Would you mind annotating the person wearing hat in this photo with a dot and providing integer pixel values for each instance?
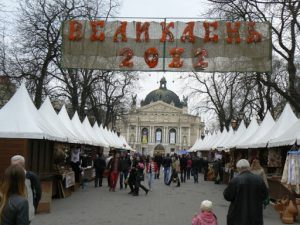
(205, 216)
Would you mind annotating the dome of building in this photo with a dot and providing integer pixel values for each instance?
(162, 94)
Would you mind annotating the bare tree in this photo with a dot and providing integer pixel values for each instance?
(232, 95)
(38, 44)
(284, 16)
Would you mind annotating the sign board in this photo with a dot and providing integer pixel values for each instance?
(215, 46)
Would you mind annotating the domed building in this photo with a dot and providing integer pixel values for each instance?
(162, 123)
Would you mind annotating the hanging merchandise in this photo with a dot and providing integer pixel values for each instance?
(291, 171)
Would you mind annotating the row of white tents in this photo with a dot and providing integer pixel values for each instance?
(283, 132)
(19, 118)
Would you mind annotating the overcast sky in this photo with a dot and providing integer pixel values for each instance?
(162, 9)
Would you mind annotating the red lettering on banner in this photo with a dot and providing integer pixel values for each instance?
(188, 33)
(253, 35)
(121, 30)
(75, 33)
(176, 54)
(94, 25)
(128, 55)
(207, 25)
(151, 57)
(166, 32)
(142, 29)
(233, 33)
(201, 64)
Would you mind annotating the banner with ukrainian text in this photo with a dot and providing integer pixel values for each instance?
(214, 46)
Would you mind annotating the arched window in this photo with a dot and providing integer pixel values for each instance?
(144, 137)
(158, 135)
(172, 136)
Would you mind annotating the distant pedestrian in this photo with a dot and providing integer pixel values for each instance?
(114, 168)
(125, 164)
(246, 192)
(175, 171)
(151, 169)
(188, 167)
(183, 168)
(158, 160)
(205, 167)
(195, 168)
(167, 168)
(206, 215)
(99, 165)
(14, 208)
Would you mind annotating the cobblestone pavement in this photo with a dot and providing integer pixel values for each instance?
(163, 206)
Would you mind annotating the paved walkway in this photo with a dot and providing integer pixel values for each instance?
(163, 206)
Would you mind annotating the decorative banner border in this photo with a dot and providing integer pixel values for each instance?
(217, 46)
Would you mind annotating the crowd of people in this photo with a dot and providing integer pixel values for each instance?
(247, 191)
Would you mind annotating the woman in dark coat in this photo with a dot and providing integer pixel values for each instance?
(14, 209)
(246, 192)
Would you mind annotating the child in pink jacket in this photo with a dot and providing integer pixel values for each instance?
(205, 216)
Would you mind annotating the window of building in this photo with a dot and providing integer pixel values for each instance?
(172, 149)
(158, 135)
(144, 138)
(172, 136)
(131, 138)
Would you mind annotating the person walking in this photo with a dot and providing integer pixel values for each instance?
(14, 208)
(32, 183)
(188, 167)
(175, 170)
(99, 165)
(114, 168)
(151, 170)
(195, 168)
(158, 160)
(206, 215)
(205, 167)
(246, 193)
(125, 164)
(139, 177)
(183, 168)
(167, 167)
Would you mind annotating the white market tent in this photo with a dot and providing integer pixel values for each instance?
(108, 137)
(66, 121)
(198, 142)
(218, 142)
(237, 135)
(208, 145)
(289, 137)
(48, 113)
(80, 131)
(253, 126)
(228, 139)
(267, 124)
(19, 118)
(286, 120)
(125, 144)
(90, 132)
(99, 134)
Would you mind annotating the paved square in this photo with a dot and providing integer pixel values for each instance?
(163, 206)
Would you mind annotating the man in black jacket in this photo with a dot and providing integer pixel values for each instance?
(99, 165)
(246, 192)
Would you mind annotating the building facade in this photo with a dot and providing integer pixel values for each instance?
(161, 125)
